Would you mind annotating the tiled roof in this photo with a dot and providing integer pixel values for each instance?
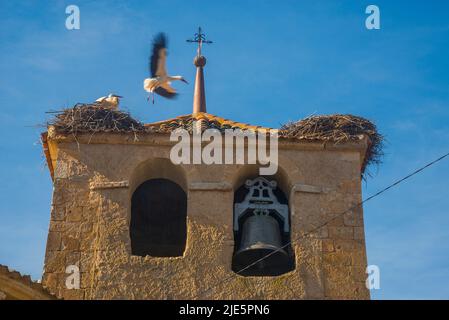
(206, 120)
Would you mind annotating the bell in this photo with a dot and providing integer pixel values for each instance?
(260, 238)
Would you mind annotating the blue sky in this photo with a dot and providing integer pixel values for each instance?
(271, 62)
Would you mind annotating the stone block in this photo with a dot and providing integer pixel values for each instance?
(54, 241)
(57, 212)
(86, 260)
(85, 280)
(353, 218)
(72, 294)
(341, 232)
(51, 281)
(346, 290)
(57, 226)
(328, 245)
(69, 243)
(74, 213)
(359, 233)
(338, 259)
(54, 262)
(335, 220)
(73, 258)
(347, 245)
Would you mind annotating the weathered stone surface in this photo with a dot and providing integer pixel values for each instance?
(341, 232)
(70, 243)
(57, 226)
(54, 241)
(328, 245)
(57, 211)
(359, 233)
(73, 258)
(72, 294)
(54, 262)
(52, 280)
(89, 227)
(74, 213)
(353, 218)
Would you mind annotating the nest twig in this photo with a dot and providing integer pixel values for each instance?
(92, 118)
(338, 128)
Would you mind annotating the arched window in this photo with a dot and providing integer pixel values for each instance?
(158, 219)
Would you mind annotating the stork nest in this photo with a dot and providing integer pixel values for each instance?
(92, 118)
(338, 128)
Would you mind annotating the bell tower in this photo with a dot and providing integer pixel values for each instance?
(130, 223)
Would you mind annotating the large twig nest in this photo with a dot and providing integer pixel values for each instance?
(92, 118)
(338, 128)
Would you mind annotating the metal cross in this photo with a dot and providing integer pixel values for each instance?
(200, 38)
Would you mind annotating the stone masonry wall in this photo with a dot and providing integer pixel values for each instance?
(89, 226)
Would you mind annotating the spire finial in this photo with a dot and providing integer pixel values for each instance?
(199, 38)
(199, 95)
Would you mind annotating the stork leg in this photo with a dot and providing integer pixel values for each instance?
(151, 96)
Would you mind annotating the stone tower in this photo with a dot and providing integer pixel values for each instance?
(138, 226)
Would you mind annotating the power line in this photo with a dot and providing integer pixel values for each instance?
(326, 222)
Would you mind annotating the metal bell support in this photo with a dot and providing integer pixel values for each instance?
(260, 235)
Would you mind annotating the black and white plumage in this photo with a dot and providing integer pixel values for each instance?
(111, 101)
(160, 81)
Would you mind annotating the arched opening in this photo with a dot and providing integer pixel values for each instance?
(261, 229)
(158, 219)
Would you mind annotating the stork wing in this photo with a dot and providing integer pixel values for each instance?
(158, 56)
(166, 91)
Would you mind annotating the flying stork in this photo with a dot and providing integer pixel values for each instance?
(111, 101)
(160, 82)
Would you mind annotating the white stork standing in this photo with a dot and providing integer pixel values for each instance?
(160, 82)
(111, 101)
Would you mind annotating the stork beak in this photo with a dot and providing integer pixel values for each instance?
(119, 97)
(184, 80)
